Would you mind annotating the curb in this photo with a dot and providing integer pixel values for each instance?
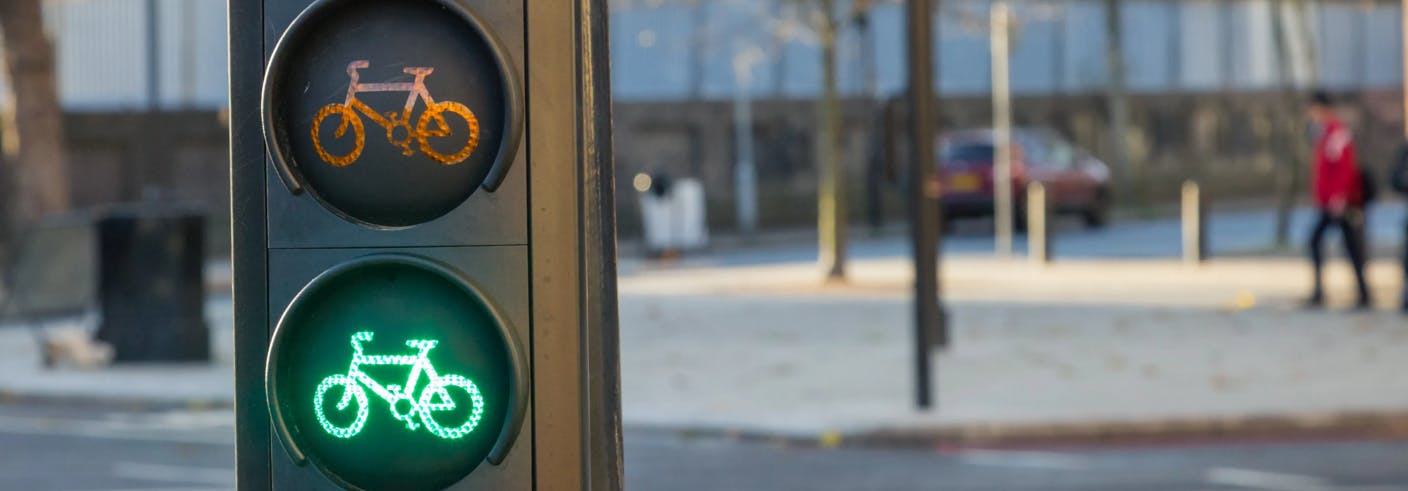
(1376, 425)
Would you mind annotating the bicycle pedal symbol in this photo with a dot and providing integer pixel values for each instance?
(431, 124)
(405, 406)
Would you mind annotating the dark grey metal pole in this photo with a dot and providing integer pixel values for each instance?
(151, 174)
(601, 350)
(153, 55)
(923, 197)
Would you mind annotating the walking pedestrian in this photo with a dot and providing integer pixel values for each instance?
(1338, 188)
(1399, 180)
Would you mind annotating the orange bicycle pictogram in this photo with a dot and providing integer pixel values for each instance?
(431, 124)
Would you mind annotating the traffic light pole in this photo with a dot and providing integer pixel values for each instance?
(249, 245)
(923, 196)
(580, 442)
(605, 465)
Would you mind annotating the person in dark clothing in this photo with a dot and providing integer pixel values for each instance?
(1399, 180)
(1339, 196)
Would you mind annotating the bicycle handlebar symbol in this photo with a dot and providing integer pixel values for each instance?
(432, 123)
(435, 397)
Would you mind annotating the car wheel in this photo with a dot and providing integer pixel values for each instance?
(1097, 215)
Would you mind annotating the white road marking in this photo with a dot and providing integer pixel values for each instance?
(1023, 459)
(174, 473)
(1268, 481)
(105, 430)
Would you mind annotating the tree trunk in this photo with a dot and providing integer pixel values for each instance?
(41, 171)
(831, 196)
(1117, 102)
(1294, 148)
(1283, 136)
(875, 162)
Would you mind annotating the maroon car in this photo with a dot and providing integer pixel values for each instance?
(1076, 182)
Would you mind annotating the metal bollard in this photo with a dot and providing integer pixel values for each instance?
(1038, 216)
(1195, 244)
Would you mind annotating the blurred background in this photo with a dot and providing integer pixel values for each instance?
(1147, 334)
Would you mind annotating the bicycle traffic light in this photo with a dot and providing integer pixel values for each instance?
(423, 245)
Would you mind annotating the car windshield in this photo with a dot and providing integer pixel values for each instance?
(966, 152)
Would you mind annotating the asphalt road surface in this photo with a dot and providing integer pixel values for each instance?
(67, 447)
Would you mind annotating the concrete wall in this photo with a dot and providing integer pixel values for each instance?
(187, 160)
(129, 157)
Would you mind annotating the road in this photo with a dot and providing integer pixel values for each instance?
(88, 447)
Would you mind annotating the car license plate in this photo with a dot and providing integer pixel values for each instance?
(966, 183)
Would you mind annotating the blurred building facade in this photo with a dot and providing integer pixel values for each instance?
(1203, 77)
(686, 49)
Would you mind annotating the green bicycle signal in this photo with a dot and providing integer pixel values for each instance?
(431, 388)
(404, 405)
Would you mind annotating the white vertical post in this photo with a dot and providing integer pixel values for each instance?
(1002, 128)
(1038, 216)
(1194, 237)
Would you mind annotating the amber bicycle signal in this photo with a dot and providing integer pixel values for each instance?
(431, 124)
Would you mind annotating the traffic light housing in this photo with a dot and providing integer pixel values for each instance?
(423, 245)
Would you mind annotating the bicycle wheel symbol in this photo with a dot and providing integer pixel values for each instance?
(351, 391)
(435, 114)
(347, 118)
(435, 399)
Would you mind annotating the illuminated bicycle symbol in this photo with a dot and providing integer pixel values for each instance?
(405, 406)
(432, 123)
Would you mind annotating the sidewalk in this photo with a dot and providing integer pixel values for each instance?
(1079, 349)
(183, 384)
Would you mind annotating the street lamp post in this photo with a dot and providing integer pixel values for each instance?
(745, 173)
(1001, 35)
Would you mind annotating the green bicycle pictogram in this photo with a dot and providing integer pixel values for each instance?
(433, 398)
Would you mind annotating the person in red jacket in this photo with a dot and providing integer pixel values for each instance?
(1339, 195)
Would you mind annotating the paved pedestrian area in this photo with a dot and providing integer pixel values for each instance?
(770, 349)
(184, 384)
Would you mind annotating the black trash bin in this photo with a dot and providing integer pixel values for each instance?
(151, 283)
